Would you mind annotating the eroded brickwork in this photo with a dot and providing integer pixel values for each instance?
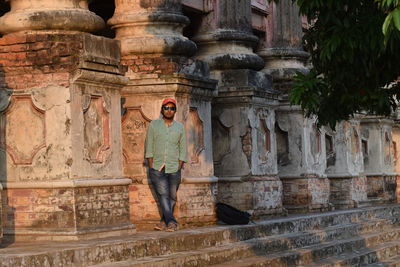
(32, 60)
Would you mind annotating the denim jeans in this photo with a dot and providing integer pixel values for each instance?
(165, 186)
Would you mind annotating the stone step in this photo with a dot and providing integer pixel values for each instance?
(149, 244)
(373, 257)
(392, 262)
(259, 247)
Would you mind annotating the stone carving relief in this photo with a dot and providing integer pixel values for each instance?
(263, 141)
(221, 140)
(195, 132)
(96, 128)
(22, 129)
(134, 127)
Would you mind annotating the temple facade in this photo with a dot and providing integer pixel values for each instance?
(81, 80)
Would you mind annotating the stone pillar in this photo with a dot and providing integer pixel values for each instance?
(300, 150)
(345, 167)
(60, 145)
(379, 157)
(281, 49)
(301, 161)
(243, 112)
(157, 56)
(396, 142)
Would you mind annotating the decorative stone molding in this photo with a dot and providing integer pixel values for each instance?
(151, 27)
(26, 131)
(34, 15)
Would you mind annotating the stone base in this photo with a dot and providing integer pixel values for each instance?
(80, 210)
(348, 192)
(260, 196)
(306, 194)
(195, 204)
(382, 187)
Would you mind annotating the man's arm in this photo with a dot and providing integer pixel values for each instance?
(182, 149)
(150, 145)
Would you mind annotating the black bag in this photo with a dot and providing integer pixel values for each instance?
(231, 215)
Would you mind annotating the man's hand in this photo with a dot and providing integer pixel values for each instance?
(150, 162)
(180, 164)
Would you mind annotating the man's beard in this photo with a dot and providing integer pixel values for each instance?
(170, 117)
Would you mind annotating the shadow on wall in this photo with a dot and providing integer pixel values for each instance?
(7, 212)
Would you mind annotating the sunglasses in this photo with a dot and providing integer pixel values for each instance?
(169, 108)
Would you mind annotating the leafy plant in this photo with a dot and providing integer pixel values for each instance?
(355, 56)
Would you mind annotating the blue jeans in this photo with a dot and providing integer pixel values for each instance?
(165, 186)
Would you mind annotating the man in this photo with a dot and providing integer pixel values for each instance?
(166, 154)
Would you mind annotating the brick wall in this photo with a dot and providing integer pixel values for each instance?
(32, 60)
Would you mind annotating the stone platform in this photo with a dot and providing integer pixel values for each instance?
(367, 236)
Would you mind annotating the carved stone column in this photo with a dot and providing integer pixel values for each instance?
(345, 165)
(379, 159)
(301, 161)
(281, 48)
(60, 127)
(243, 112)
(156, 54)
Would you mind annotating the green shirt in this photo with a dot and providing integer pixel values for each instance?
(166, 145)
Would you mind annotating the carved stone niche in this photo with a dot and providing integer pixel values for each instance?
(263, 141)
(195, 132)
(134, 127)
(388, 149)
(282, 143)
(22, 130)
(96, 128)
(221, 141)
(355, 143)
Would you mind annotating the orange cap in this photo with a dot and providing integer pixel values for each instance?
(169, 100)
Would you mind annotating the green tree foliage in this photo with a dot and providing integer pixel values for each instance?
(355, 56)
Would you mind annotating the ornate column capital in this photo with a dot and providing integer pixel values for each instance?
(65, 15)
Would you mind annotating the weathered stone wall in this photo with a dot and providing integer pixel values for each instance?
(306, 194)
(53, 213)
(262, 197)
(348, 192)
(195, 204)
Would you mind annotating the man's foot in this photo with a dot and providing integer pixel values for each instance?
(172, 226)
(160, 226)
